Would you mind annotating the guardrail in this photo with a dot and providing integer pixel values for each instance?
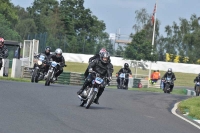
(73, 78)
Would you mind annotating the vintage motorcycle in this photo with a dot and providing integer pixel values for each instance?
(168, 81)
(38, 71)
(49, 77)
(123, 78)
(89, 94)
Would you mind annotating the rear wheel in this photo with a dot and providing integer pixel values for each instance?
(48, 80)
(90, 99)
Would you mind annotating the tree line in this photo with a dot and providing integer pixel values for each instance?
(69, 25)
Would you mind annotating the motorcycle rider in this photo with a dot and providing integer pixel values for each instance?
(3, 52)
(47, 55)
(125, 70)
(169, 74)
(96, 56)
(197, 79)
(58, 57)
(101, 66)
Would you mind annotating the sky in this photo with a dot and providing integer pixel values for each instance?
(120, 14)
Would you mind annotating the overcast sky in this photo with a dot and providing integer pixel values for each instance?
(121, 13)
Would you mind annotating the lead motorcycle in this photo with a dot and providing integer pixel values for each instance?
(90, 93)
(38, 71)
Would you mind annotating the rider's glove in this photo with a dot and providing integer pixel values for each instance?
(90, 70)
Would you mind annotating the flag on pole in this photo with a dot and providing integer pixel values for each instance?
(154, 11)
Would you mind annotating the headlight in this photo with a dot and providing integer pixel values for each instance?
(39, 62)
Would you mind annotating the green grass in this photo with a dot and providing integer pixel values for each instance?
(15, 79)
(192, 105)
(175, 91)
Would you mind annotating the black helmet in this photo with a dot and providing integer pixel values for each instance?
(47, 50)
(126, 65)
(169, 71)
(105, 57)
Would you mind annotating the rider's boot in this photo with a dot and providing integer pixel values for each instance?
(96, 100)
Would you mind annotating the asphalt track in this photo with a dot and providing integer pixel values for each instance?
(35, 108)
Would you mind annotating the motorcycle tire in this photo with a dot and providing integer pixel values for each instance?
(48, 80)
(34, 76)
(90, 100)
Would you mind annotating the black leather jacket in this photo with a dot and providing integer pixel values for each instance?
(197, 79)
(172, 76)
(60, 60)
(125, 70)
(103, 69)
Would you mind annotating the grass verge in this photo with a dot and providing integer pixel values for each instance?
(192, 106)
(175, 91)
(15, 79)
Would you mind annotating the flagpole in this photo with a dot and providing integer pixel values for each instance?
(154, 27)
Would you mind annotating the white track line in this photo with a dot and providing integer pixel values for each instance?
(174, 112)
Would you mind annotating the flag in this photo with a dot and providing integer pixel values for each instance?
(154, 11)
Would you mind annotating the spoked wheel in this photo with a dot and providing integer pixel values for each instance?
(48, 80)
(90, 99)
(34, 77)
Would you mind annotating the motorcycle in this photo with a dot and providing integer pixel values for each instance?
(168, 82)
(51, 73)
(197, 90)
(37, 73)
(90, 93)
(123, 79)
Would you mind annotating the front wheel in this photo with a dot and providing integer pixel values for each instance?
(48, 80)
(34, 77)
(91, 99)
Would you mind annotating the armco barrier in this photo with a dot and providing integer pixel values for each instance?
(72, 78)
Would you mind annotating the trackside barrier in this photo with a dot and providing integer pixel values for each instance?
(72, 78)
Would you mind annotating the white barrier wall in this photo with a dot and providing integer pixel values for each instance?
(118, 61)
(5, 67)
(16, 68)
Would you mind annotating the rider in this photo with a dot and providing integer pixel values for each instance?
(197, 79)
(169, 74)
(100, 66)
(3, 51)
(47, 58)
(126, 70)
(96, 56)
(57, 57)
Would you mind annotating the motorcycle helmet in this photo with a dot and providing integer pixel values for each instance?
(58, 53)
(105, 57)
(169, 71)
(47, 50)
(126, 65)
(1, 42)
(102, 51)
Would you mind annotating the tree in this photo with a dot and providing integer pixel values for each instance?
(140, 48)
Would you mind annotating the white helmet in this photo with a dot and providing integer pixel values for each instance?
(58, 52)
